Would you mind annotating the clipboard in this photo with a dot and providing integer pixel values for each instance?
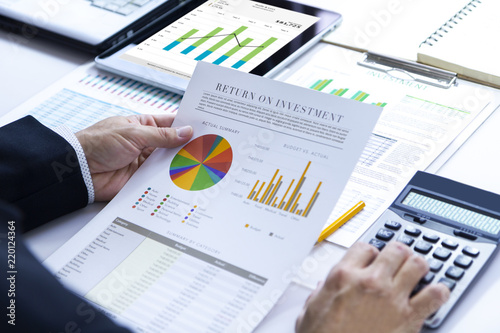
(408, 70)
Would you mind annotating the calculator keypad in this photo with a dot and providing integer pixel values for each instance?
(470, 251)
(453, 261)
(442, 254)
(422, 247)
(463, 261)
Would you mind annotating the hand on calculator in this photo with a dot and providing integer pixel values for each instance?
(369, 291)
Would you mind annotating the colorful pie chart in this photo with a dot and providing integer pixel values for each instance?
(202, 163)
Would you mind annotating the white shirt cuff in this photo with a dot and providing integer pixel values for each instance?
(67, 134)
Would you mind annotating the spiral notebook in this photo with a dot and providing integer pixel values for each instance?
(467, 43)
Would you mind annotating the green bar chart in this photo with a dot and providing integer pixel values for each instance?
(235, 34)
(201, 40)
(359, 95)
(254, 52)
(218, 39)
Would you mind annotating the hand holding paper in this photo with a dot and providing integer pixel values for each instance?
(265, 165)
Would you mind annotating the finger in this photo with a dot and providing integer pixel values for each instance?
(158, 137)
(429, 300)
(410, 273)
(163, 120)
(157, 120)
(391, 259)
(360, 255)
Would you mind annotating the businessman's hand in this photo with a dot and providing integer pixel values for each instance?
(368, 291)
(117, 146)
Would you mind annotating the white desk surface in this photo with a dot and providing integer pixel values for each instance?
(29, 65)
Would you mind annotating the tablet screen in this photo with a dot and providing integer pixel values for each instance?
(238, 34)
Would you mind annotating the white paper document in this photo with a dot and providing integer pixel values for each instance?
(419, 122)
(203, 237)
(88, 95)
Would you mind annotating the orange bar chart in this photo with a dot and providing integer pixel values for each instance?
(291, 201)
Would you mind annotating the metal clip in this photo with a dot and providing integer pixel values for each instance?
(407, 70)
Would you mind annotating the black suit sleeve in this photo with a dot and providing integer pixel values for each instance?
(40, 179)
(39, 172)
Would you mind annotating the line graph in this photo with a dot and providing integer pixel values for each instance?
(241, 35)
(221, 40)
(240, 44)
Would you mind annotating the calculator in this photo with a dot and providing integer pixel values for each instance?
(456, 228)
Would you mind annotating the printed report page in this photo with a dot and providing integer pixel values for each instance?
(204, 237)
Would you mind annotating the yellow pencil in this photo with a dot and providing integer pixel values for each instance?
(341, 220)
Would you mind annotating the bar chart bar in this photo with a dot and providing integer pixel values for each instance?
(360, 96)
(202, 40)
(339, 92)
(321, 84)
(221, 43)
(254, 52)
(260, 189)
(276, 188)
(313, 199)
(283, 202)
(297, 188)
(252, 192)
(264, 196)
(229, 53)
(180, 39)
(316, 84)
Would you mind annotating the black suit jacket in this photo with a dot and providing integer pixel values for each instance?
(40, 179)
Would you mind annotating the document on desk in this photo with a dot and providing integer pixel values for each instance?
(203, 237)
(88, 95)
(417, 124)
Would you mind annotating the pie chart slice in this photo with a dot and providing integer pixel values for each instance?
(202, 163)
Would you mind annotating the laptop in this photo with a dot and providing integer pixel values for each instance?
(91, 25)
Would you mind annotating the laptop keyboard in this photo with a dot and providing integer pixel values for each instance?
(123, 7)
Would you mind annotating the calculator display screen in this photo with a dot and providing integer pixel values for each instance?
(452, 212)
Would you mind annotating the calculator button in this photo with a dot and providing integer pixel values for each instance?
(431, 238)
(470, 251)
(412, 231)
(463, 261)
(427, 278)
(420, 220)
(450, 243)
(385, 235)
(406, 240)
(394, 225)
(447, 282)
(454, 273)
(422, 247)
(378, 244)
(435, 265)
(441, 253)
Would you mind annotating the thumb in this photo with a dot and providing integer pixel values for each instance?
(162, 137)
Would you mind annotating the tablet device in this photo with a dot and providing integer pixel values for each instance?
(257, 37)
